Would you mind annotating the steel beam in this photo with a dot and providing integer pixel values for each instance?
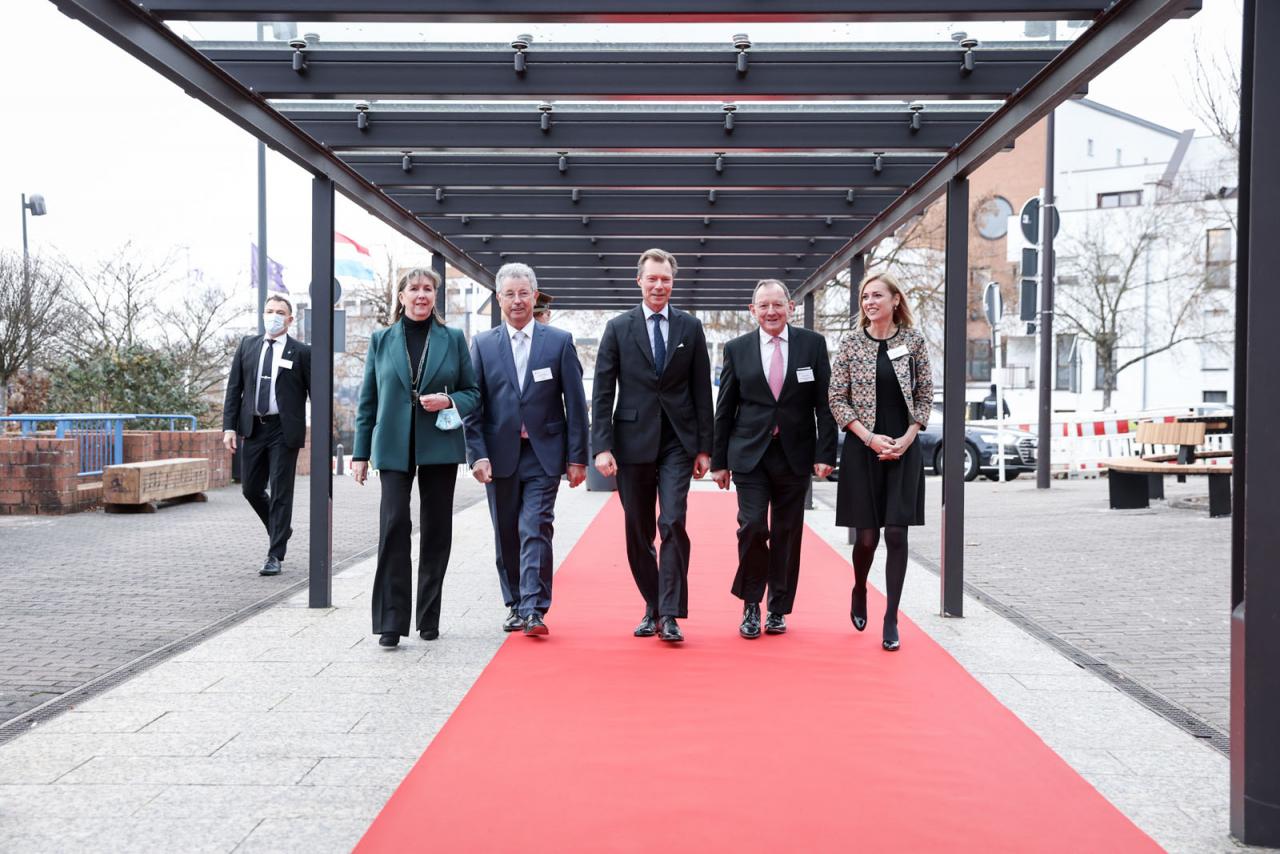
(320, 571)
(147, 39)
(744, 171)
(799, 248)
(813, 203)
(655, 11)
(857, 269)
(911, 71)
(818, 229)
(853, 129)
(955, 338)
(1123, 25)
(1255, 621)
(627, 260)
(438, 266)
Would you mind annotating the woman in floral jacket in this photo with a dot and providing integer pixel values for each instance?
(881, 393)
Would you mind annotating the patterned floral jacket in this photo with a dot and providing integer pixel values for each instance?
(853, 377)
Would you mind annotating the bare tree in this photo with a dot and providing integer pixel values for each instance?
(1104, 272)
(193, 333)
(1215, 89)
(115, 300)
(28, 315)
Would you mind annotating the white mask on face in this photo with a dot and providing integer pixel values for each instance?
(274, 323)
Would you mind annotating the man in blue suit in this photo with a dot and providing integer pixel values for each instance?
(530, 427)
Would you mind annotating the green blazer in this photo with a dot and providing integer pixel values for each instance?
(383, 416)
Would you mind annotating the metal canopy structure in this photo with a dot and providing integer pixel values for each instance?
(746, 159)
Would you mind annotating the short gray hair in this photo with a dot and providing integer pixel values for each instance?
(515, 270)
(770, 283)
(659, 255)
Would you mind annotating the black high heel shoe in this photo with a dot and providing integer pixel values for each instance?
(858, 609)
(890, 642)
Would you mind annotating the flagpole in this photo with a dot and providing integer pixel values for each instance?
(263, 273)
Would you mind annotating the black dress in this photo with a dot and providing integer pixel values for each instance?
(873, 493)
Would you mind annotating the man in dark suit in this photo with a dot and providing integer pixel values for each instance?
(266, 404)
(773, 429)
(653, 365)
(530, 427)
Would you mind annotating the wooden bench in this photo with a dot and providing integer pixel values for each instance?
(140, 487)
(1133, 481)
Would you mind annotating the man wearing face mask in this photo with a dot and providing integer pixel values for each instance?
(265, 413)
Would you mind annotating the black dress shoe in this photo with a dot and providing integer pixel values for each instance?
(750, 626)
(271, 566)
(428, 634)
(648, 627)
(514, 622)
(858, 609)
(533, 625)
(890, 642)
(389, 639)
(775, 624)
(669, 631)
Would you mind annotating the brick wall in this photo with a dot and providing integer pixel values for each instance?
(38, 475)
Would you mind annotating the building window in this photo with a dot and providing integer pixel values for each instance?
(1215, 397)
(1125, 199)
(1214, 356)
(1119, 157)
(978, 363)
(1217, 258)
(1088, 147)
(1064, 376)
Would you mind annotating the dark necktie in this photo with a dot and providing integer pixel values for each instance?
(264, 381)
(659, 345)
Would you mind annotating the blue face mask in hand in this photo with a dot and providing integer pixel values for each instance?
(448, 419)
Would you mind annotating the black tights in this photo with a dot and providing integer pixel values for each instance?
(895, 569)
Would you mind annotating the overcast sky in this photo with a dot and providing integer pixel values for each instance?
(122, 155)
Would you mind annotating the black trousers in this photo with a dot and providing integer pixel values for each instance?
(267, 463)
(662, 577)
(393, 581)
(770, 528)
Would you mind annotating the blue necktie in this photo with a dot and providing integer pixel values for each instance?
(659, 345)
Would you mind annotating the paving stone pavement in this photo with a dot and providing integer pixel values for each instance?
(86, 593)
(1146, 591)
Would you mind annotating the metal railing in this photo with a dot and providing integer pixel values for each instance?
(99, 437)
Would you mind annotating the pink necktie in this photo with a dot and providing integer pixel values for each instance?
(776, 374)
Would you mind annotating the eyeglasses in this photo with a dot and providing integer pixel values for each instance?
(524, 295)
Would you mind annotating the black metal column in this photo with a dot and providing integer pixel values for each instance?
(442, 298)
(1255, 644)
(495, 310)
(321, 572)
(857, 269)
(953, 369)
(1047, 210)
(810, 318)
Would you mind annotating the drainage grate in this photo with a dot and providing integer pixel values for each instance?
(1164, 707)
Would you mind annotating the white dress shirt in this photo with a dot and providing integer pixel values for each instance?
(277, 353)
(766, 351)
(666, 325)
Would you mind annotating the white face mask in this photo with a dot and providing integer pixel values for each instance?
(274, 323)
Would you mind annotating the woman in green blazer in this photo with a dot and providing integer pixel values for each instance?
(414, 369)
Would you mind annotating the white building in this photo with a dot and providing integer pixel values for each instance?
(1145, 257)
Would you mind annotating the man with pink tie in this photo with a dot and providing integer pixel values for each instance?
(773, 430)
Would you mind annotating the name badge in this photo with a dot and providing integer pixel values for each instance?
(541, 374)
(804, 375)
(285, 364)
(898, 352)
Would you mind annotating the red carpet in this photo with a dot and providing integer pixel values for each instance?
(592, 740)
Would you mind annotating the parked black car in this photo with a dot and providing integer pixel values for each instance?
(981, 453)
(980, 449)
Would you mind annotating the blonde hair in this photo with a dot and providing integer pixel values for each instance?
(901, 315)
(416, 273)
(656, 255)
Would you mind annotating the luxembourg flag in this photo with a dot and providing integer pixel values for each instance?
(348, 262)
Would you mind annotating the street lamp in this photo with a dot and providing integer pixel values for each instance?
(37, 207)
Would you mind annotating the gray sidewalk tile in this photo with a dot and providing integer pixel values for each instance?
(265, 723)
(265, 802)
(129, 835)
(63, 802)
(293, 834)
(188, 770)
(408, 745)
